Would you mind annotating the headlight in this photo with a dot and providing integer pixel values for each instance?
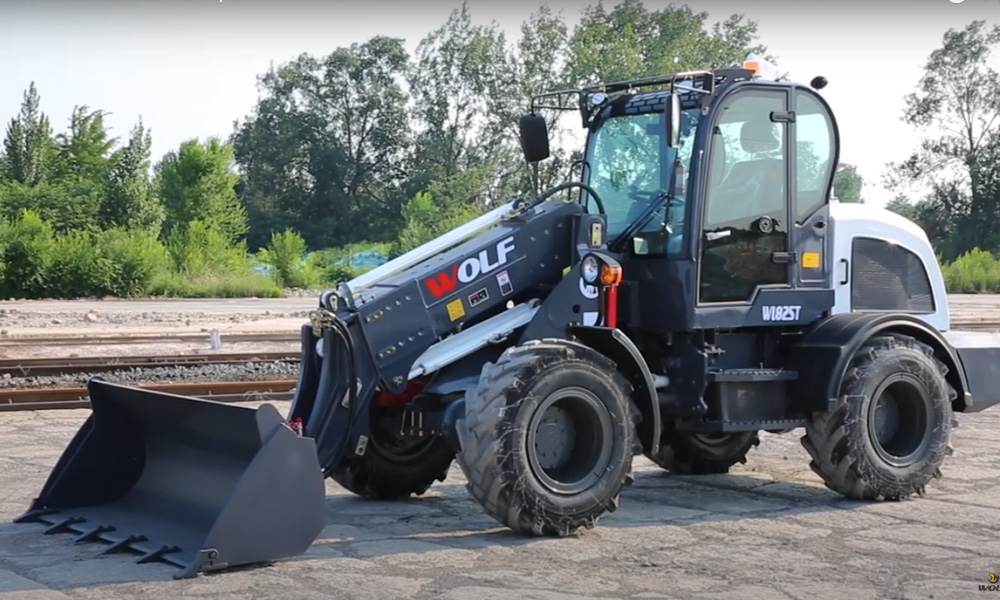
(590, 269)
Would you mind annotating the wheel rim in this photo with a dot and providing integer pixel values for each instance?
(899, 421)
(569, 440)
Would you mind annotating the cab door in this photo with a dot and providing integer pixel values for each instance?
(745, 219)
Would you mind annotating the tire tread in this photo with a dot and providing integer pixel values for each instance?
(844, 468)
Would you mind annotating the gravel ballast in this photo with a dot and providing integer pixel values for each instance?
(249, 371)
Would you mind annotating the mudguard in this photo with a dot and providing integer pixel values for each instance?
(823, 355)
(617, 346)
(196, 483)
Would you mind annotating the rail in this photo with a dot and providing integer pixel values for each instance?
(77, 397)
(114, 340)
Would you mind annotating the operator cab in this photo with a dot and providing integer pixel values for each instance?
(740, 176)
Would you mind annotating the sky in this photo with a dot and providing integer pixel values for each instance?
(188, 68)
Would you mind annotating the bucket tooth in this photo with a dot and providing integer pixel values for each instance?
(199, 484)
(35, 515)
(93, 534)
(63, 525)
(157, 554)
(124, 544)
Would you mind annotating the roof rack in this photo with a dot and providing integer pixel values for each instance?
(590, 98)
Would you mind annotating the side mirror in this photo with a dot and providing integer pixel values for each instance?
(534, 138)
(672, 120)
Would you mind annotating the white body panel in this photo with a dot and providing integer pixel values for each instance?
(851, 220)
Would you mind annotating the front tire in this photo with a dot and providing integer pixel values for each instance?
(891, 431)
(394, 466)
(548, 438)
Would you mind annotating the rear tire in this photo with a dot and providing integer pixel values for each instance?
(891, 431)
(548, 438)
(393, 466)
(686, 453)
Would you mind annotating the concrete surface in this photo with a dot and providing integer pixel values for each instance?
(767, 531)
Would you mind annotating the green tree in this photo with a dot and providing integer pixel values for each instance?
(458, 84)
(847, 184)
(539, 60)
(957, 107)
(83, 153)
(197, 183)
(632, 41)
(70, 205)
(131, 201)
(901, 206)
(28, 145)
(425, 218)
(327, 149)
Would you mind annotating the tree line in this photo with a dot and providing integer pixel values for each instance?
(950, 184)
(371, 146)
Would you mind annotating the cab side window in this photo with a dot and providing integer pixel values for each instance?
(747, 161)
(814, 146)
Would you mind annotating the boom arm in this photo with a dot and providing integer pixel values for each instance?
(423, 311)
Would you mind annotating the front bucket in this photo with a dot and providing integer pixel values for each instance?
(196, 483)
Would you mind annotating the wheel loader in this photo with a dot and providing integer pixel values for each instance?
(694, 286)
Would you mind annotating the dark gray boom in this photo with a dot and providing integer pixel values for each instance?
(423, 311)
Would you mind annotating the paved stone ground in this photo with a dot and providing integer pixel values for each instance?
(769, 530)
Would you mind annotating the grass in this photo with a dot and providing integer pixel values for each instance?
(174, 285)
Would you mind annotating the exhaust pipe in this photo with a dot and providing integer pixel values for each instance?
(196, 483)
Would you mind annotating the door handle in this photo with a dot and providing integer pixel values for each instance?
(718, 235)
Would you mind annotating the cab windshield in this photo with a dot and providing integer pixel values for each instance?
(629, 165)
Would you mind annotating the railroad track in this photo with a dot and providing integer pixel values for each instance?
(77, 397)
(114, 340)
(265, 391)
(41, 367)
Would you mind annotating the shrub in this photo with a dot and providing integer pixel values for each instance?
(80, 266)
(28, 247)
(137, 256)
(974, 271)
(196, 248)
(285, 255)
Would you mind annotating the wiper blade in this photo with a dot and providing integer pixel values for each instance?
(658, 201)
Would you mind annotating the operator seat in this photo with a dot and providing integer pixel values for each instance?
(752, 187)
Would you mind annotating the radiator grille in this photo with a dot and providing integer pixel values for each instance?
(886, 277)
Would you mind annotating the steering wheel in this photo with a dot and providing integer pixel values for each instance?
(565, 186)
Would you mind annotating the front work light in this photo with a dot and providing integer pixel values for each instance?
(598, 269)
(590, 269)
(607, 272)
